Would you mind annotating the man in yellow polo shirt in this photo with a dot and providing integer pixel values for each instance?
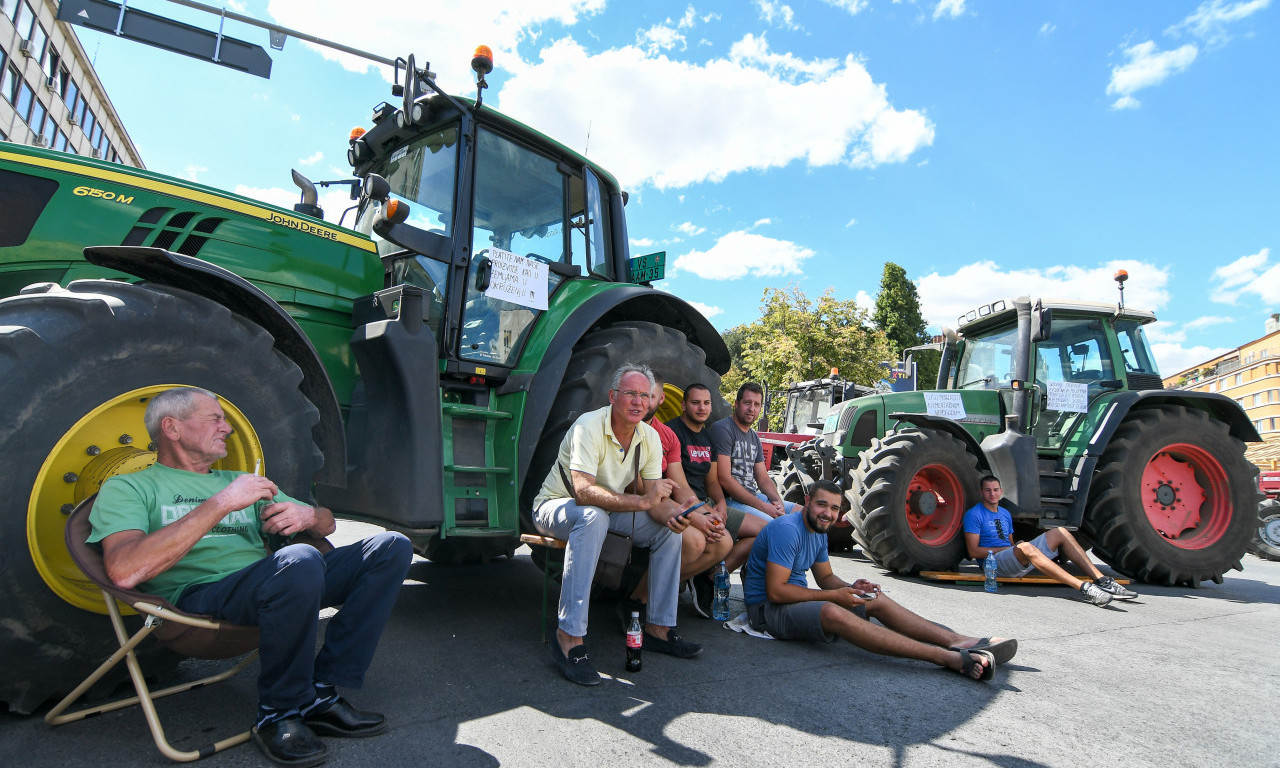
(598, 456)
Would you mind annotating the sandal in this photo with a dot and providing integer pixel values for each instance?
(1003, 650)
(967, 663)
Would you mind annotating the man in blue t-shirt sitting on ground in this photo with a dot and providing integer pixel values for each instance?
(988, 527)
(780, 601)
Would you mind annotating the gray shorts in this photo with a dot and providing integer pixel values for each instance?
(1007, 565)
(793, 621)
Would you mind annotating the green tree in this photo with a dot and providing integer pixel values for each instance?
(897, 313)
(797, 339)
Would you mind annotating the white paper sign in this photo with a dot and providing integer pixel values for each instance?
(517, 279)
(1068, 396)
(947, 404)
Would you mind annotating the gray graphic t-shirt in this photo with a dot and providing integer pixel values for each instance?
(742, 448)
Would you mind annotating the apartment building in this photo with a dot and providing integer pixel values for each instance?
(1250, 375)
(49, 94)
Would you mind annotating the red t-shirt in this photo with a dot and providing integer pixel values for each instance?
(670, 444)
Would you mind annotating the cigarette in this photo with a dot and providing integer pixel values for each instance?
(257, 467)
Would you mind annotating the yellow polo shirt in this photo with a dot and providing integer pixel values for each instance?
(590, 446)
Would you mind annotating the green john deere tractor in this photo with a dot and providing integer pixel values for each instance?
(417, 371)
(1062, 402)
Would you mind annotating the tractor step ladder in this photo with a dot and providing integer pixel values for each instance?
(472, 476)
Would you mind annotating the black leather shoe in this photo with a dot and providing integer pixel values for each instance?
(290, 742)
(342, 719)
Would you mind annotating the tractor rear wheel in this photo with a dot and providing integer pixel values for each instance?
(77, 367)
(910, 492)
(1266, 540)
(1173, 500)
(586, 386)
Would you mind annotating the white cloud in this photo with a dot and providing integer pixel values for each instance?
(852, 6)
(690, 229)
(1146, 66)
(642, 242)
(669, 123)
(943, 298)
(739, 254)
(660, 37)
(317, 157)
(952, 9)
(1048, 28)
(850, 223)
(449, 29)
(865, 300)
(777, 14)
(761, 223)
(1174, 358)
(1206, 321)
(193, 172)
(707, 310)
(1247, 274)
(1209, 21)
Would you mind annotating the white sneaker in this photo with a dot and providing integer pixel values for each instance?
(1109, 585)
(1094, 594)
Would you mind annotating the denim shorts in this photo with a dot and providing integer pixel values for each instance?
(1007, 565)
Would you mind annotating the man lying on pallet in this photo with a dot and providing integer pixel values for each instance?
(197, 537)
(780, 601)
(602, 453)
(988, 527)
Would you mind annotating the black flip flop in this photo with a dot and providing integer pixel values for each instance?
(1003, 651)
(967, 662)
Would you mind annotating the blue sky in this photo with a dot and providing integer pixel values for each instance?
(989, 148)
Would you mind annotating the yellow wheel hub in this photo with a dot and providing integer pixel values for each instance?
(109, 440)
(672, 406)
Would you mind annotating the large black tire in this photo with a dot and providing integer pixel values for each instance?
(891, 494)
(76, 367)
(586, 386)
(1191, 517)
(1266, 539)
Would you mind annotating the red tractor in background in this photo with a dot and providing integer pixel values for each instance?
(1266, 542)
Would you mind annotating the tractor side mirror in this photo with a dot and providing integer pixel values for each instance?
(1041, 324)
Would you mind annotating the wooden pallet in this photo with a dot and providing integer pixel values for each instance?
(977, 576)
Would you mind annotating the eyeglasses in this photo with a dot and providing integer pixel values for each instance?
(631, 394)
(1000, 529)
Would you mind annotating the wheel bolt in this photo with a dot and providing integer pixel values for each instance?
(67, 508)
(126, 440)
(93, 450)
(70, 477)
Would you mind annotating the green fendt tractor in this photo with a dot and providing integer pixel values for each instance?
(417, 371)
(1063, 402)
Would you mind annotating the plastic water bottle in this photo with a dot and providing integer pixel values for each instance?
(635, 639)
(989, 569)
(720, 602)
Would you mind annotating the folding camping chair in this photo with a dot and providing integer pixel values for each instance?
(183, 633)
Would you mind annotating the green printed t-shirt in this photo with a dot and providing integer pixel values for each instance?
(157, 496)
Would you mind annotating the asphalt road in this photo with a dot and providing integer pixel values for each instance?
(1180, 677)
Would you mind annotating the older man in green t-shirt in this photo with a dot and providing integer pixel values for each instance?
(199, 538)
(599, 456)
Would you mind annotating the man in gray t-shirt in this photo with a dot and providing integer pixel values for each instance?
(740, 459)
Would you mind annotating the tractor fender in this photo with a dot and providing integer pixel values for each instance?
(630, 302)
(242, 297)
(944, 424)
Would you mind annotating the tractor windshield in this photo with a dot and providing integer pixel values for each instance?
(807, 408)
(1134, 351)
(987, 360)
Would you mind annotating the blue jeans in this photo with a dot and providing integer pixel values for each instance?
(787, 507)
(584, 528)
(282, 595)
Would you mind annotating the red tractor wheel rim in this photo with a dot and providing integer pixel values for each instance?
(940, 526)
(1186, 496)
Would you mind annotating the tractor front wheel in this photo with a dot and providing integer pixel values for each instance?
(1173, 501)
(77, 367)
(1266, 540)
(910, 492)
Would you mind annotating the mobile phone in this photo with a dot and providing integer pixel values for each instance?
(868, 595)
(690, 509)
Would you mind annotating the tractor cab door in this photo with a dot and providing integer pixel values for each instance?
(1071, 368)
(534, 222)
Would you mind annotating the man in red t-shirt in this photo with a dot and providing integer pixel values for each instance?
(705, 542)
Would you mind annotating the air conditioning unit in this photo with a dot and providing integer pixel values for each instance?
(25, 47)
(71, 120)
(97, 153)
(39, 141)
(48, 83)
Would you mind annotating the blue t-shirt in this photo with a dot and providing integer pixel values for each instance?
(788, 542)
(994, 529)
